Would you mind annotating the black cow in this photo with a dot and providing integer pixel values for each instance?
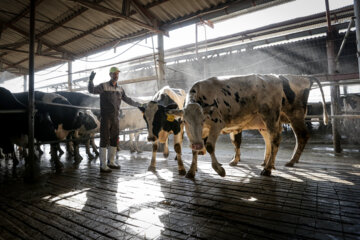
(14, 126)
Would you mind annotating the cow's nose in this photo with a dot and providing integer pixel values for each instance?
(151, 139)
(197, 146)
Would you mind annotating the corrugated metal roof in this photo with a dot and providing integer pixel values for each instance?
(70, 29)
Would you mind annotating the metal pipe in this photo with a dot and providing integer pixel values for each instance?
(30, 172)
(25, 82)
(334, 90)
(70, 76)
(357, 26)
(161, 61)
(343, 44)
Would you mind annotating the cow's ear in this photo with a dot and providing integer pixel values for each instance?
(142, 108)
(171, 106)
(176, 112)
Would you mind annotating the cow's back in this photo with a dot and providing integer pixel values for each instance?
(132, 119)
(240, 97)
(167, 96)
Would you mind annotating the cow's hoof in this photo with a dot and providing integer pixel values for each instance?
(132, 150)
(166, 155)
(221, 172)
(182, 172)
(139, 151)
(201, 152)
(233, 163)
(91, 157)
(152, 169)
(59, 167)
(78, 159)
(289, 164)
(190, 175)
(265, 172)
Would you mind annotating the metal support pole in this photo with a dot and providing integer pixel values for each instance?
(70, 76)
(334, 90)
(30, 172)
(161, 60)
(357, 26)
(196, 42)
(25, 82)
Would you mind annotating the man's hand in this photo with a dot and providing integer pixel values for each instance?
(92, 75)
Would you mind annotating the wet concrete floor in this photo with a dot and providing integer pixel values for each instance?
(317, 199)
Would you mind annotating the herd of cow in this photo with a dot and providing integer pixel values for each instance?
(212, 107)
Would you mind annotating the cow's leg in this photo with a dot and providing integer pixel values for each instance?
(177, 147)
(54, 157)
(2, 155)
(301, 136)
(76, 143)
(266, 138)
(94, 147)
(14, 158)
(166, 148)
(69, 144)
(131, 140)
(236, 141)
(137, 136)
(88, 152)
(61, 152)
(152, 166)
(193, 166)
(274, 128)
(210, 148)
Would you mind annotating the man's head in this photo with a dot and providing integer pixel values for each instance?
(114, 73)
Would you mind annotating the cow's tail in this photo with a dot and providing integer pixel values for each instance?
(325, 114)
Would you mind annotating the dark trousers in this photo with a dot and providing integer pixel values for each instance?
(109, 131)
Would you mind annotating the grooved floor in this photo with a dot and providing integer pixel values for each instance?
(317, 199)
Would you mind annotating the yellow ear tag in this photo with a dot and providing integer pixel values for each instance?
(170, 117)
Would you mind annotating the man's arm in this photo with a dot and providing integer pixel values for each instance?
(129, 100)
(95, 90)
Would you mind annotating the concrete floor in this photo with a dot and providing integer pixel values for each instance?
(317, 199)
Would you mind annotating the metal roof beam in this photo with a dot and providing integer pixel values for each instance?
(37, 54)
(19, 16)
(126, 7)
(116, 14)
(48, 44)
(14, 65)
(145, 13)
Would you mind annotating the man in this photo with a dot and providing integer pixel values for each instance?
(111, 95)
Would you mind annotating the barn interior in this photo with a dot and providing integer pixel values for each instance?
(318, 198)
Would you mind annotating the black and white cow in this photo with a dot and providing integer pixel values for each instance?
(85, 100)
(64, 117)
(132, 119)
(160, 124)
(231, 105)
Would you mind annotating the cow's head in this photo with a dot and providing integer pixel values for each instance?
(89, 122)
(158, 119)
(194, 118)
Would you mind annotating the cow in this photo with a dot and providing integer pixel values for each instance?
(65, 118)
(132, 119)
(85, 100)
(14, 126)
(160, 125)
(231, 105)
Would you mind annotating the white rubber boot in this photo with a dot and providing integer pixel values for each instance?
(111, 158)
(103, 166)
